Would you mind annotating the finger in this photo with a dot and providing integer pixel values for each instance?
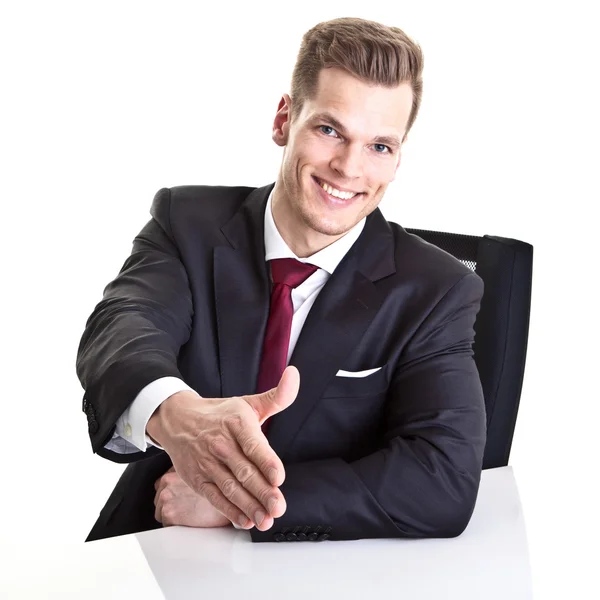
(255, 446)
(158, 508)
(252, 480)
(161, 498)
(214, 495)
(162, 479)
(235, 493)
(160, 484)
(276, 399)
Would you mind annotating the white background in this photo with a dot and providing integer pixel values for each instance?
(103, 103)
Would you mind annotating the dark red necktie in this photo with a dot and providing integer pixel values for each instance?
(287, 274)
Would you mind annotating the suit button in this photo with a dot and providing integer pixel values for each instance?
(279, 537)
(302, 537)
(323, 537)
(291, 537)
(93, 426)
(313, 536)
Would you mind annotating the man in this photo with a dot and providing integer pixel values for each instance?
(283, 358)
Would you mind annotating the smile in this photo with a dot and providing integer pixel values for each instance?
(333, 191)
(334, 197)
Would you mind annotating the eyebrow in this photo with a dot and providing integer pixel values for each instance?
(390, 140)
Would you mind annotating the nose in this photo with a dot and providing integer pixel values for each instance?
(348, 162)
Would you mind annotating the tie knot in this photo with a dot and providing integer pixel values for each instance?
(290, 271)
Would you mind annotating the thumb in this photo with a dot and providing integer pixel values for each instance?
(275, 400)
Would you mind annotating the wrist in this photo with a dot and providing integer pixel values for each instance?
(166, 413)
(155, 426)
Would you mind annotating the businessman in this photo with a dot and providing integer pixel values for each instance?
(283, 358)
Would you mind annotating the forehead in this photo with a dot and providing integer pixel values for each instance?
(359, 106)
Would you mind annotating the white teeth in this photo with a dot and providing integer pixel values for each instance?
(337, 193)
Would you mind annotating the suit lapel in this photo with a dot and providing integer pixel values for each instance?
(242, 295)
(338, 319)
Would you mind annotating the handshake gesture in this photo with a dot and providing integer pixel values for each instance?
(224, 469)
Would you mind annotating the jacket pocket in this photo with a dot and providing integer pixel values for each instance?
(355, 387)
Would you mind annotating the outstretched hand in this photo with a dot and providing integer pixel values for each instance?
(220, 452)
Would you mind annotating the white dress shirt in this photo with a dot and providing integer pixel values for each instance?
(130, 434)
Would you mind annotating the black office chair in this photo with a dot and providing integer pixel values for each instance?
(501, 327)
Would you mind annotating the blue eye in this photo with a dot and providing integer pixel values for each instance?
(326, 127)
(384, 146)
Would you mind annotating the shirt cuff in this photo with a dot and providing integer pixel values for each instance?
(131, 426)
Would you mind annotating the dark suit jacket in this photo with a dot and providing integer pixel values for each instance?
(395, 454)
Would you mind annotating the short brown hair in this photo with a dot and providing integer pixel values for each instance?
(373, 52)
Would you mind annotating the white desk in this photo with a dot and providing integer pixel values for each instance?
(489, 560)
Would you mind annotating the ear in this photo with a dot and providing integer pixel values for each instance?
(281, 124)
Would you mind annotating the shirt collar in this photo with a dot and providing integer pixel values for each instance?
(327, 259)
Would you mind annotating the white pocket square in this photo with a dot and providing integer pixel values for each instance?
(342, 373)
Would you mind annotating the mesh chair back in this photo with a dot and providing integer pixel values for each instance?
(501, 326)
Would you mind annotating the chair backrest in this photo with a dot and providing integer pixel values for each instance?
(501, 327)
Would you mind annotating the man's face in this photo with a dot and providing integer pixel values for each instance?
(355, 148)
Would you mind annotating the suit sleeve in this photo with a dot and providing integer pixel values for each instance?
(135, 332)
(424, 478)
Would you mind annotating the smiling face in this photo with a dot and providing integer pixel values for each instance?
(348, 137)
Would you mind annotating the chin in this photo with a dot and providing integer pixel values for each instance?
(326, 226)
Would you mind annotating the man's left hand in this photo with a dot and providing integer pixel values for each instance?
(177, 504)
